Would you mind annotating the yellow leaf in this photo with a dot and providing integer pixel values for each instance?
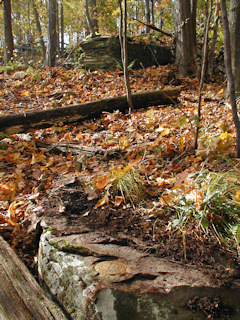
(124, 143)
(118, 201)
(224, 135)
(25, 93)
(237, 196)
(165, 132)
(102, 202)
(221, 91)
(7, 191)
(50, 162)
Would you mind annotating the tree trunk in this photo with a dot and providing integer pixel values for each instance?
(147, 15)
(58, 29)
(230, 77)
(7, 20)
(52, 33)
(93, 12)
(185, 31)
(39, 30)
(124, 51)
(21, 296)
(234, 20)
(30, 36)
(89, 21)
(204, 64)
(214, 40)
(152, 12)
(18, 29)
(48, 118)
(62, 29)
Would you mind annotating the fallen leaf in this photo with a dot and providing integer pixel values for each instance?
(102, 202)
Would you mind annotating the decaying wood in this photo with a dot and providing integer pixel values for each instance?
(21, 298)
(46, 118)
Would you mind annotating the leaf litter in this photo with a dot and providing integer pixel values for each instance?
(139, 173)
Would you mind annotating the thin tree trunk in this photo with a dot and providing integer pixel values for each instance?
(204, 63)
(229, 72)
(147, 15)
(52, 33)
(18, 31)
(124, 53)
(62, 29)
(152, 12)
(214, 40)
(57, 30)
(39, 30)
(7, 20)
(234, 24)
(89, 21)
(93, 11)
(30, 37)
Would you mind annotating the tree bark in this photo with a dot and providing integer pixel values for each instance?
(147, 15)
(39, 30)
(52, 33)
(230, 77)
(89, 21)
(62, 28)
(93, 13)
(214, 40)
(234, 21)
(185, 33)
(7, 21)
(124, 50)
(47, 118)
(21, 297)
(204, 64)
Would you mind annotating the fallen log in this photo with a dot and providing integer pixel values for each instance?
(21, 297)
(47, 118)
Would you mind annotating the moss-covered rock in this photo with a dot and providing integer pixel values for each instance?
(104, 53)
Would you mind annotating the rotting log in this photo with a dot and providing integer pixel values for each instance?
(21, 297)
(29, 121)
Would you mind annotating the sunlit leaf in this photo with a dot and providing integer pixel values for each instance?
(118, 201)
(25, 93)
(102, 202)
(101, 182)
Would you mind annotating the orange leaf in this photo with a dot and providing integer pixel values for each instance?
(155, 143)
(124, 143)
(11, 215)
(118, 201)
(101, 182)
(102, 202)
(25, 93)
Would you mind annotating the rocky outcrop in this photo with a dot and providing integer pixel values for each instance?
(104, 53)
(94, 277)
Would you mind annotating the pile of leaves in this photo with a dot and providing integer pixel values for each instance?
(144, 160)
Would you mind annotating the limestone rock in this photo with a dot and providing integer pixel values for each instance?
(96, 280)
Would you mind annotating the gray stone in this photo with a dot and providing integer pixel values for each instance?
(96, 280)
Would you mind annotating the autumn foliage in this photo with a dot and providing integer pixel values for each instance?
(145, 159)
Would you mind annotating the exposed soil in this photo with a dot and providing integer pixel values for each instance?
(213, 308)
(126, 226)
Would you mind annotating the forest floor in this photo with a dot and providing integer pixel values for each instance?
(137, 174)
